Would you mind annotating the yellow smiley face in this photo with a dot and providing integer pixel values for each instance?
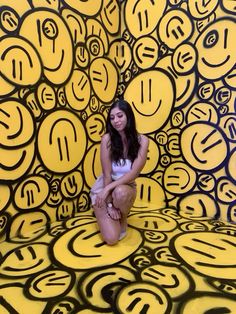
(173, 142)
(95, 126)
(151, 102)
(145, 52)
(61, 97)
(150, 194)
(206, 90)
(92, 164)
(49, 34)
(152, 221)
(110, 15)
(66, 209)
(184, 58)
(184, 84)
(142, 295)
(29, 226)
(153, 156)
(202, 111)
(120, 53)
(97, 41)
(206, 182)
(208, 253)
(202, 205)
(65, 149)
(200, 143)
(201, 9)
(179, 178)
(83, 202)
(55, 197)
(163, 255)
(92, 285)
(76, 24)
(175, 28)
(82, 57)
(50, 284)
(226, 190)
(82, 248)
(31, 192)
(139, 16)
(78, 90)
(104, 79)
(193, 226)
(72, 184)
(20, 63)
(216, 49)
(46, 96)
(25, 260)
(9, 19)
(173, 279)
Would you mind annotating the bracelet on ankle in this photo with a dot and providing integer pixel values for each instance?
(109, 205)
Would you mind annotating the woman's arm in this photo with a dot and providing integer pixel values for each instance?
(106, 162)
(105, 159)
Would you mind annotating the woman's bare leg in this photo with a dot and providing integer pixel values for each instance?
(123, 198)
(110, 229)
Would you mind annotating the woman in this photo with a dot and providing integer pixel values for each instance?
(123, 156)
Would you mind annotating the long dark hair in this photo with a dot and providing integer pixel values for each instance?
(116, 145)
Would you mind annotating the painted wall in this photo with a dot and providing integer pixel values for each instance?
(64, 62)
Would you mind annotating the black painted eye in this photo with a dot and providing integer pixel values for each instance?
(211, 39)
(50, 29)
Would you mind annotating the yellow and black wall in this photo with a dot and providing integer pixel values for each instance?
(63, 62)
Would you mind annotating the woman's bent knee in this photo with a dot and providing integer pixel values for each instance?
(123, 193)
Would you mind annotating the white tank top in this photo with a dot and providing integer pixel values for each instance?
(120, 168)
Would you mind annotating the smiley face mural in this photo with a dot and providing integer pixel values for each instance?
(62, 64)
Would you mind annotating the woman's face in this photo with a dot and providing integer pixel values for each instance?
(118, 119)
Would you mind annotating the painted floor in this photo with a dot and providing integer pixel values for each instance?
(167, 263)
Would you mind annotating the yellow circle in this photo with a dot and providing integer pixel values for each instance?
(61, 152)
(151, 102)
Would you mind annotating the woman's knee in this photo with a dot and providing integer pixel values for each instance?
(123, 196)
(121, 192)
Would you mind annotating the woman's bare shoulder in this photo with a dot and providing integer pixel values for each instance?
(105, 139)
(143, 139)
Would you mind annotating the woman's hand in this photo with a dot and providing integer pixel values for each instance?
(114, 213)
(101, 197)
